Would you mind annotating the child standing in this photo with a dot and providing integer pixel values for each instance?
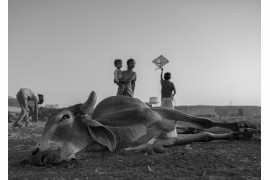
(118, 75)
(167, 90)
(129, 78)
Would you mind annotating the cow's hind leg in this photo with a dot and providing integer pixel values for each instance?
(159, 144)
(235, 126)
(204, 123)
(188, 130)
(204, 137)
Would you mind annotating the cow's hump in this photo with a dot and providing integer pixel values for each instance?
(115, 104)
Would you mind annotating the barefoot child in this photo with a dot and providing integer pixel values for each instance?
(167, 90)
(118, 76)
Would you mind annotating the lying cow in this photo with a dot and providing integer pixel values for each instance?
(120, 123)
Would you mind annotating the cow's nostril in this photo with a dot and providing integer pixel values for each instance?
(43, 158)
(35, 151)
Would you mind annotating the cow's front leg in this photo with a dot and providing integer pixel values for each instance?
(160, 144)
(140, 148)
(145, 148)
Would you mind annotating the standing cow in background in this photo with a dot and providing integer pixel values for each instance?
(24, 96)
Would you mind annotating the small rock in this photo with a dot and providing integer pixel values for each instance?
(149, 169)
(188, 147)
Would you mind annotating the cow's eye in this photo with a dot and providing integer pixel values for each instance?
(66, 116)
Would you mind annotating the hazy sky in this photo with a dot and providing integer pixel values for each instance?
(65, 49)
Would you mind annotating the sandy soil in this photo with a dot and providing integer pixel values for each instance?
(214, 161)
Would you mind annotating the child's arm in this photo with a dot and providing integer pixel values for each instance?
(132, 77)
(115, 76)
(135, 78)
(161, 75)
(174, 90)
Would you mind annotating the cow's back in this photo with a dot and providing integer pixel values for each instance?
(115, 104)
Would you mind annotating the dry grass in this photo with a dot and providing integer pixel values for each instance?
(216, 160)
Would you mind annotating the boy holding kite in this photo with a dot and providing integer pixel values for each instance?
(167, 87)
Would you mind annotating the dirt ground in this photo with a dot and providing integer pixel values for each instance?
(213, 161)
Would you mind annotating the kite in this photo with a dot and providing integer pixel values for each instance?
(160, 61)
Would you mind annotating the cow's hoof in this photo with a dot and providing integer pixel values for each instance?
(246, 124)
(245, 133)
(160, 149)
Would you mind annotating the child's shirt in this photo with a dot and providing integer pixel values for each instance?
(118, 75)
(167, 87)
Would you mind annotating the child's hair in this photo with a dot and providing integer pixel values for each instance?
(117, 61)
(129, 61)
(167, 76)
(40, 98)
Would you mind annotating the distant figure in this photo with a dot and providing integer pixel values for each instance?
(24, 96)
(129, 78)
(118, 75)
(167, 90)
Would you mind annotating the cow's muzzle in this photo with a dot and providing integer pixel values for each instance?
(47, 157)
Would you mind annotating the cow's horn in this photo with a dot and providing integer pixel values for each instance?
(89, 103)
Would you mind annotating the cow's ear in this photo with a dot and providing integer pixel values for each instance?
(101, 134)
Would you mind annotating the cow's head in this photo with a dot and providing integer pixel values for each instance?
(68, 132)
